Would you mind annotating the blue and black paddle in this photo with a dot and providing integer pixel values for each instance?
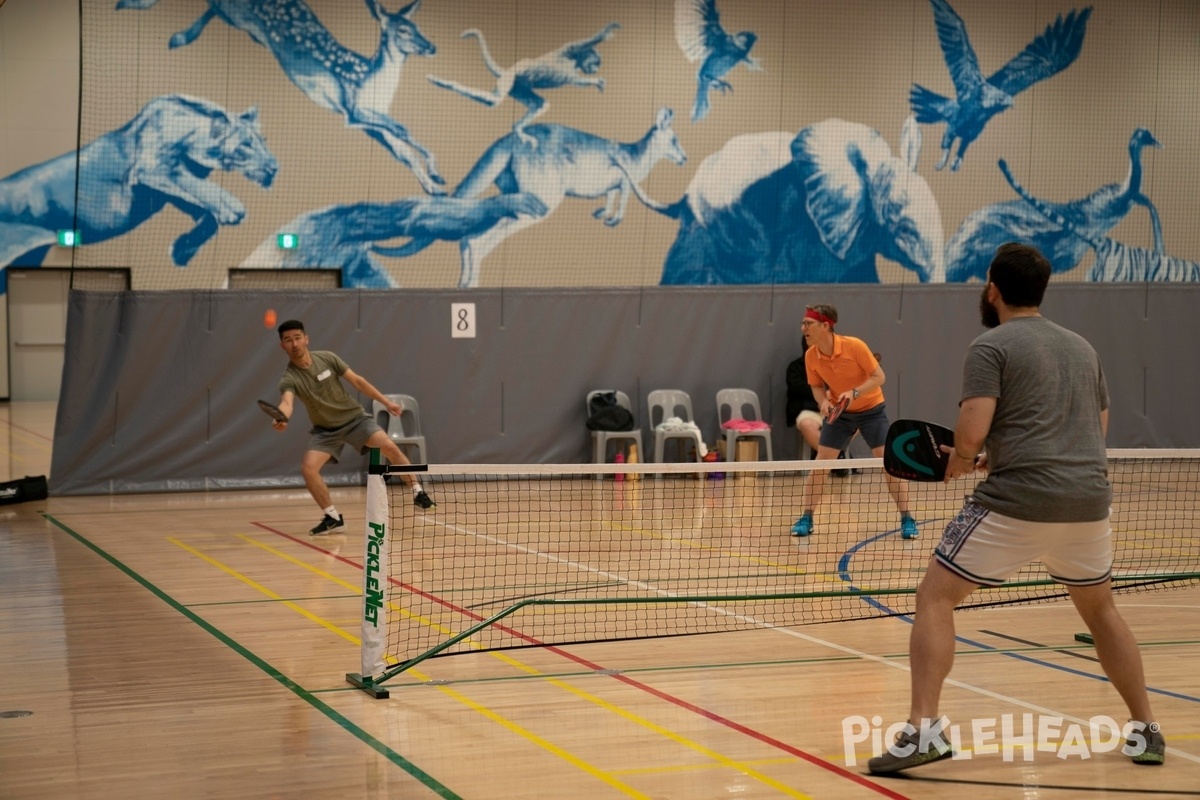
(913, 450)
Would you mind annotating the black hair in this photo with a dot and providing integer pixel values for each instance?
(290, 325)
(1020, 273)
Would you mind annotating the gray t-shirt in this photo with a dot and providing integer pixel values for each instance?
(1045, 447)
(320, 389)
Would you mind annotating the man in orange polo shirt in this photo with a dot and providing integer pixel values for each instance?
(840, 367)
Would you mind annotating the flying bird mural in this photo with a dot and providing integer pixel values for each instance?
(700, 35)
(978, 99)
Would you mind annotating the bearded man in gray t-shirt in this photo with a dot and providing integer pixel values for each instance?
(1033, 416)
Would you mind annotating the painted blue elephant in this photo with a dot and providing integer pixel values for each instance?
(818, 207)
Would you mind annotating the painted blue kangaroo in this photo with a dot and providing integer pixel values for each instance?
(1115, 261)
(562, 162)
(347, 237)
(161, 157)
(971, 248)
(573, 64)
(978, 99)
(333, 77)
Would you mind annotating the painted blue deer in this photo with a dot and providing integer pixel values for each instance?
(331, 75)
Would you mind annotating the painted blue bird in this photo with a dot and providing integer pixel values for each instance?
(978, 100)
(700, 35)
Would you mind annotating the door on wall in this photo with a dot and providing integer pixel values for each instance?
(37, 331)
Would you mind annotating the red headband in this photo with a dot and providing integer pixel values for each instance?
(812, 313)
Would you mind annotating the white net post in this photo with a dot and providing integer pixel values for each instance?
(375, 561)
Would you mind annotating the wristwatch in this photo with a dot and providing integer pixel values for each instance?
(854, 393)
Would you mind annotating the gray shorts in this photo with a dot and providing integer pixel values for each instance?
(872, 423)
(354, 433)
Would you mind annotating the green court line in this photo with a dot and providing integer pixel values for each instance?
(273, 600)
(394, 687)
(305, 695)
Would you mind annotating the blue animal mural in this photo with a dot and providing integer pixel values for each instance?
(348, 237)
(971, 248)
(978, 99)
(331, 75)
(561, 162)
(817, 207)
(699, 34)
(573, 64)
(1116, 261)
(163, 156)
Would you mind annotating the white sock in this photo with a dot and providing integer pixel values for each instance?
(332, 512)
(416, 487)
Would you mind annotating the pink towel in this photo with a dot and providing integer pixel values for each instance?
(740, 424)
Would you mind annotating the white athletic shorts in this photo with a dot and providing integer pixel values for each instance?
(988, 548)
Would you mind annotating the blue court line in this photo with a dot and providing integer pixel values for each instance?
(844, 574)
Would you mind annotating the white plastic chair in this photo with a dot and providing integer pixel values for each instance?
(600, 439)
(666, 403)
(404, 430)
(741, 404)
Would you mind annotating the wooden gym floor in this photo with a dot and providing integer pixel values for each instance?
(195, 645)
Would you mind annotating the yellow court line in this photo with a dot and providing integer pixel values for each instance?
(575, 761)
(718, 758)
(41, 444)
(740, 766)
(258, 587)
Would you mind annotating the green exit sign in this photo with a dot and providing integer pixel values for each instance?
(287, 241)
(68, 239)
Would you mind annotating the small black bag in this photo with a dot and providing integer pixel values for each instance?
(24, 489)
(605, 414)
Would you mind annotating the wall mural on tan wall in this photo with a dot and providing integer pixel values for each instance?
(700, 36)
(1090, 219)
(162, 157)
(788, 181)
(573, 64)
(978, 99)
(821, 216)
(349, 237)
(332, 76)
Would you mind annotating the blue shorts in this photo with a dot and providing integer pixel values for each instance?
(872, 424)
(354, 433)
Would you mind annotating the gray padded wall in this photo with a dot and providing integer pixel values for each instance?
(159, 387)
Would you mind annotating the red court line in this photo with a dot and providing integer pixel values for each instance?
(680, 703)
(9, 423)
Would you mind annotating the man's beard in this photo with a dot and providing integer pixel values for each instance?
(987, 312)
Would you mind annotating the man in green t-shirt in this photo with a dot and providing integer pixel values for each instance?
(315, 376)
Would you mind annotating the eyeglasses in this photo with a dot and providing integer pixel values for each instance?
(808, 323)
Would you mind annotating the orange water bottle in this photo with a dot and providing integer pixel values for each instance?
(620, 459)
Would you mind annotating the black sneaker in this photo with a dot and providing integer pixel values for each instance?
(840, 473)
(909, 743)
(422, 500)
(328, 525)
(1155, 750)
